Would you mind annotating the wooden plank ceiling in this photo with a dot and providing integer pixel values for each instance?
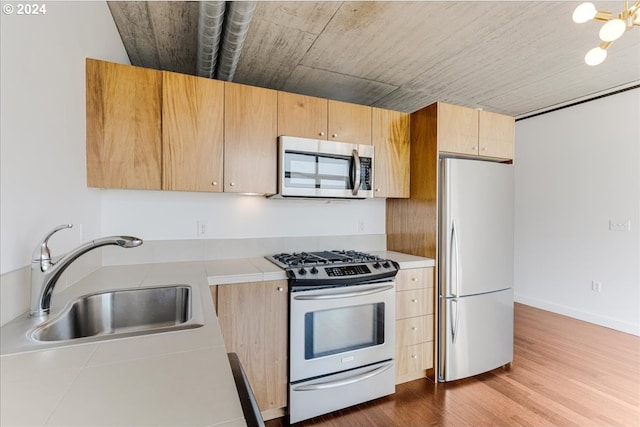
(507, 57)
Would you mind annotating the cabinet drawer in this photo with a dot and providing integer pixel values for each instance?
(412, 358)
(414, 278)
(414, 303)
(414, 330)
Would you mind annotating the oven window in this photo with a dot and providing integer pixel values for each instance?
(303, 170)
(343, 329)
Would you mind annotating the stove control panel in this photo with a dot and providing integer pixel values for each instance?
(342, 273)
(347, 270)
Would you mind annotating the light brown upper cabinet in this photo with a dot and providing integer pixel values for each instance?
(124, 134)
(390, 137)
(251, 139)
(319, 118)
(149, 129)
(462, 130)
(192, 133)
(457, 129)
(301, 115)
(496, 134)
(349, 122)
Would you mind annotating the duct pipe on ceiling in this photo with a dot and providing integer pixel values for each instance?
(236, 26)
(209, 35)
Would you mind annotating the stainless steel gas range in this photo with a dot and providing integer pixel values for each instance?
(341, 330)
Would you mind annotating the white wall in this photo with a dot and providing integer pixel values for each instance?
(43, 125)
(575, 170)
(156, 215)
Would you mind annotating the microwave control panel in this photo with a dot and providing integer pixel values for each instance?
(365, 173)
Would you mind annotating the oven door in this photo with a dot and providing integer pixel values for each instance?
(338, 329)
(318, 168)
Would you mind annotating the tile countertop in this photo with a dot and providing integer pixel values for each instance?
(173, 378)
(406, 261)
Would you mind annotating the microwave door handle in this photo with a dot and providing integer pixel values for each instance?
(357, 179)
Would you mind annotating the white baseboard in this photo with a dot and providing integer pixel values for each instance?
(597, 319)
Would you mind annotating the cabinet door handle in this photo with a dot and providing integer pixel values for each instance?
(414, 300)
(484, 148)
(414, 328)
(232, 184)
(335, 135)
(321, 134)
(280, 289)
(214, 183)
(414, 279)
(414, 356)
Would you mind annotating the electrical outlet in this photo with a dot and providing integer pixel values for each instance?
(622, 225)
(596, 286)
(203, 228)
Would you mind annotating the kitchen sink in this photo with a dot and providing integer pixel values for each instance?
(108, 315)
(121, 312)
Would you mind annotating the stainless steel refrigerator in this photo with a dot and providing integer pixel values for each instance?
(475, 263)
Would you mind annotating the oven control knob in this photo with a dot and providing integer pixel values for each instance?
(302, 272)
(386, 264)
(376, 265)
(314, 270)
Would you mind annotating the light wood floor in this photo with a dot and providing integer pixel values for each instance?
(565, 373)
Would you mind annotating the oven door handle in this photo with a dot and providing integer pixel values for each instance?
(343, 294)
(344, 382)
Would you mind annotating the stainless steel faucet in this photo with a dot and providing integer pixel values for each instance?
(45, 273)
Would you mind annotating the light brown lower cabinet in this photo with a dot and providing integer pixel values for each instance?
(253, 319)
(414, 323)
(413, 360)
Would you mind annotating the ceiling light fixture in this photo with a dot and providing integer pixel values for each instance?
(595, 56)
(612, 29)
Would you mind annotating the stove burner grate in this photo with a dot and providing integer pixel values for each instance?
(324, 258)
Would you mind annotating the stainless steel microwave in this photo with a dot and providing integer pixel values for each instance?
(314, 168)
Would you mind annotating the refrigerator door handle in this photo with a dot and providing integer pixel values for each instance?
(454, 251)
(454, 320)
